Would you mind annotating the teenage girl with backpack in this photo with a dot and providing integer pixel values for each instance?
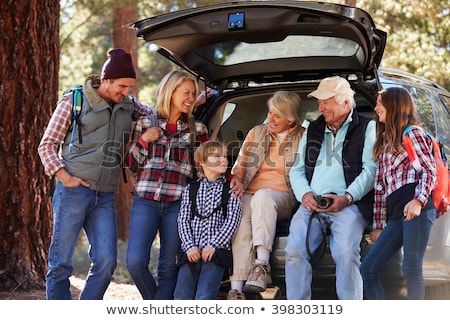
(404, 212)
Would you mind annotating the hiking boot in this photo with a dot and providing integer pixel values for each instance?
(258, 278)
(233, 294)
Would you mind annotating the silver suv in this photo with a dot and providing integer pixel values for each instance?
(248, 50)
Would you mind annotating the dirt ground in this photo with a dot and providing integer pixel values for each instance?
(116, 291)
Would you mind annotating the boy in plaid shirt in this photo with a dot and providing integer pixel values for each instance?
(206, 231)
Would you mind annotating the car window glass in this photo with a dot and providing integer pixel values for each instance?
(424, 105)
(235, 52)
(442, 111)
(229, 109)
(432, 113)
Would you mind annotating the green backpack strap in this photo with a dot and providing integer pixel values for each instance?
(77, 101)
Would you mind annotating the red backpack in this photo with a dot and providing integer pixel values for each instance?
(441, 191)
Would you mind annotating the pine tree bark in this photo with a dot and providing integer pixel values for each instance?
(29, 45)
(125, 13)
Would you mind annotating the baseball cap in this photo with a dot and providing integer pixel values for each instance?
(330, 87)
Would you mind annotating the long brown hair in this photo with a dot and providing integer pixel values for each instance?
(400, 112)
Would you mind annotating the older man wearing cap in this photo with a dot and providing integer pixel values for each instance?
(87, 173)
(334, 161)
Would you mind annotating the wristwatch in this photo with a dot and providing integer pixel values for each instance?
(349, 198)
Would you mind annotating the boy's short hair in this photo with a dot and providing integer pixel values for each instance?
(205, 150)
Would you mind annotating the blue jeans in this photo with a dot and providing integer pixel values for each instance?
(347, 227)
(413, 236)
(74, 209)
(200, 281)
(146, 219)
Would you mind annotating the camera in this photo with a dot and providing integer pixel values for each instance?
(323, 202)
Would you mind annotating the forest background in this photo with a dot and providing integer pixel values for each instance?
(48, 46)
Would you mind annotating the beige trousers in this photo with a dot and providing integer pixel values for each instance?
(257, 228)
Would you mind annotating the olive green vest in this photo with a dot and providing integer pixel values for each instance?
(105, 132)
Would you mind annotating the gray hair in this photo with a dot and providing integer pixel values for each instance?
(287, 103)
(341, 98)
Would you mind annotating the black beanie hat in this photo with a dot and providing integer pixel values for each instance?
(118, 65)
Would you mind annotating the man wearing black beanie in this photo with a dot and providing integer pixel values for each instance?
(118, 65)
(88, 172)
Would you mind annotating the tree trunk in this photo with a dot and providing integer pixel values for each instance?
(29, 44)
(125, 38)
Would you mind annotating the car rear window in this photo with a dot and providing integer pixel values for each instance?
(235, 52)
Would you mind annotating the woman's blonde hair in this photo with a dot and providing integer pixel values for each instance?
(167, 86)
(288, 104)
(205, 149)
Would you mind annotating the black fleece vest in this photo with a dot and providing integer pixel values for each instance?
(351, 155)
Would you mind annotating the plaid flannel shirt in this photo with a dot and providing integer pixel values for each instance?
(396, 170)
(163, 168)
(215, 230)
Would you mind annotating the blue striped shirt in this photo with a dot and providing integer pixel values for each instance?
(216, 230)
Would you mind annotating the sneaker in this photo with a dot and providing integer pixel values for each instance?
(258, 278)
(233, 294)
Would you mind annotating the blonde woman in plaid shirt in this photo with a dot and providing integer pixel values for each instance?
(160, 160)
